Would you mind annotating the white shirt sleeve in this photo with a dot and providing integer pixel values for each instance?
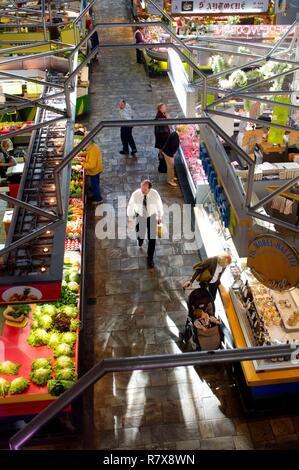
(159, 205)
(131, 206)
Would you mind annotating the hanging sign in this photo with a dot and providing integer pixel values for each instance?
(273, 262)
(227, 7)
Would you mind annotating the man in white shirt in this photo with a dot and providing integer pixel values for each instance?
(145, 205)
(126, 136)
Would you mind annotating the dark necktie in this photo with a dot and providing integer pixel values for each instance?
(144, 206)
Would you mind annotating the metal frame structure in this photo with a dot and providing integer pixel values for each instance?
(126, 364)
(146, 362)
(207, 111)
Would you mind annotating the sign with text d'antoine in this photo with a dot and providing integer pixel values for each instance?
(274, 262)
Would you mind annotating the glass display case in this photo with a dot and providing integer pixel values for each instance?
(266, 317)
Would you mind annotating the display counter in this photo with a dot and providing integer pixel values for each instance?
(48, 330)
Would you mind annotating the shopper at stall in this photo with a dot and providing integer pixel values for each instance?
(208, 273)
(146, 207)
(139, 39)
(161, 135)
(169, 149)
(6, 157)
(126, 136)
(92, 162)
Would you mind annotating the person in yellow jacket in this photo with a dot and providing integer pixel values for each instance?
(92, 162)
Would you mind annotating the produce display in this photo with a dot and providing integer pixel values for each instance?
(52, 329)
(6, 127)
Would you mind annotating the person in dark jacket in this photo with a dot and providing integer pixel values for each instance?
(161, 135)
(139, 38)
(208, 273)
(169, 149)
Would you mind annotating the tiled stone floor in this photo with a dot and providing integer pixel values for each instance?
(138, 311)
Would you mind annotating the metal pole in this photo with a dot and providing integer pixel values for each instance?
(272, 220)
(35, 56)
(31, 236)
(258, 121)
(102, 124)
(30, 128)
(275, 193)
(142, 363)
(249, 184)
(28, 207)
(228, 139)
(281, 40)
(33, 80)
(44, 18)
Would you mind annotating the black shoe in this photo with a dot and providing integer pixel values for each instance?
(150, 263)
(140, 243)
(133, 152)
(122, 152)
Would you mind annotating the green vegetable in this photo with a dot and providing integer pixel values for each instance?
(41, 376)
(4, 387)
(74, 277)
(74, 325)
(63, 362)
(9, 368)
(46, 322)
(38, 337)
(62, 322)
(35, 324)
(69, 310)
(54, 340)
(63, 349)
(41, 363)
(19, 385)
(68, 373)
(67, 296)
(37, 312)
(73, 286)
(69, 338)
(57, 387)
(49, 309)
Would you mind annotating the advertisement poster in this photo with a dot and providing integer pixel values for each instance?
(228, 6)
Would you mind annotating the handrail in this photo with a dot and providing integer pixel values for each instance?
(126, 364)
(83, 12)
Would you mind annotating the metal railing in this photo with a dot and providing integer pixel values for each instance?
(145, 363)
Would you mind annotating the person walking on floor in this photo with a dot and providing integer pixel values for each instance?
(92, 162)
(161, 135)
(146, 207)
(126, 136)
(169, 149)
(139, 38)
(208, 273)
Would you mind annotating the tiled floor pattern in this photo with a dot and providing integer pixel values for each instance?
(138, 311)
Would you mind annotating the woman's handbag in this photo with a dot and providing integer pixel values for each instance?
(162, 168)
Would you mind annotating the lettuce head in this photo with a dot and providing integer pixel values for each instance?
(63, 362)
(19, 385)
(57, 387)
(41, 363)
(54, 339)
(69, 338)
(4, 387)
(9, 368)
(63, 349)
(41, 376)
(68, 373)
